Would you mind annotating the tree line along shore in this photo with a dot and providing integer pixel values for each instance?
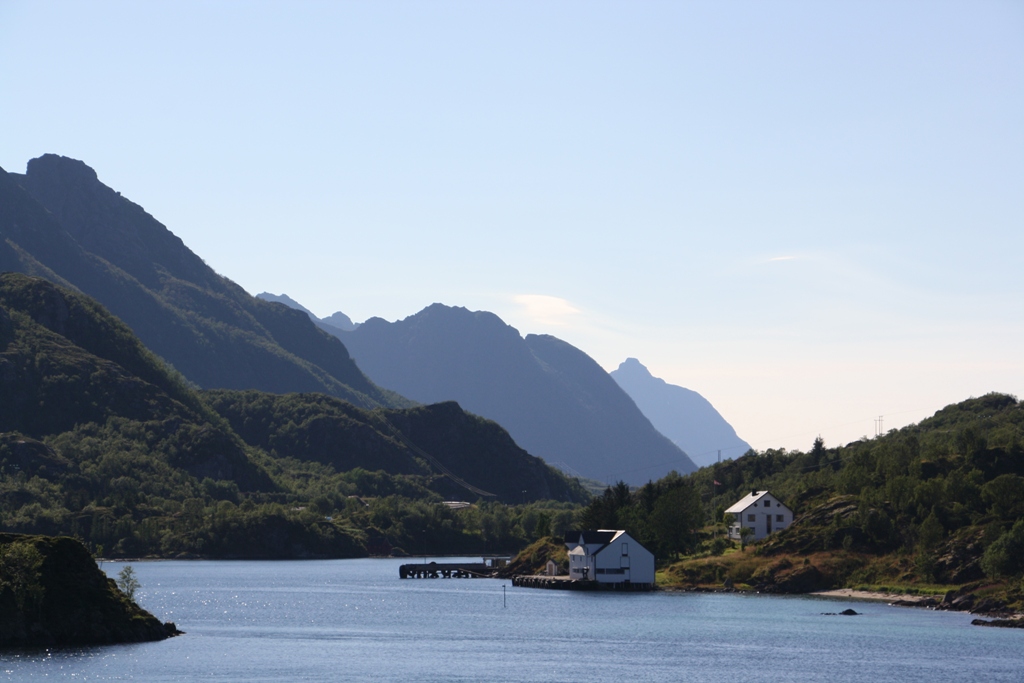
(102, 441)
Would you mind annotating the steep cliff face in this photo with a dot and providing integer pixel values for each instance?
(58, 221)
(683, 415)
(52, 593)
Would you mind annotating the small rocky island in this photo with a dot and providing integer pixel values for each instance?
(52, 593)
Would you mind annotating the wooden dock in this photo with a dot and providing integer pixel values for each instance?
(564, 583)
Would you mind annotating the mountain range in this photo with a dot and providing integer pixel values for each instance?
(684, 416)
(554, 400)
(428, 362)
(333, 323)
(58, 221)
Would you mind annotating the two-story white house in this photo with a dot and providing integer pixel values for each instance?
(762, 512)
(609, 556)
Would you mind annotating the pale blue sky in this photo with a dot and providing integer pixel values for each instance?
(810, 212)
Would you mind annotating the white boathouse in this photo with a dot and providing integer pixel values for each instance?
(609, 557)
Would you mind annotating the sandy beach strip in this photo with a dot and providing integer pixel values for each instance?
(851, 594)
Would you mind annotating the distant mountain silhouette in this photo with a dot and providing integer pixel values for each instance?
(554, 400)
(684, 416)
(287, 301)
(58, 221)
(340, 321)
(331, 324)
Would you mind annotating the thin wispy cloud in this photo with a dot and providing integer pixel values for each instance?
(547, 310)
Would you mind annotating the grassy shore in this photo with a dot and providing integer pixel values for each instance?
(837, 573)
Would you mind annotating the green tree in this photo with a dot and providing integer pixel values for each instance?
(676, 517)
(19, 570)
(1005, 557)
(127, 582)
(818, 449)
(1006, 495)
(745, 533)
(930, 534)
(543, 526)
(603, 511)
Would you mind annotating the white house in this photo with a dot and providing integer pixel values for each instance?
(762, 512)
(609, 556)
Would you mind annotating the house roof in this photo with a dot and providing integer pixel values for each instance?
(748, 500)
(600, 537)
(591, 537)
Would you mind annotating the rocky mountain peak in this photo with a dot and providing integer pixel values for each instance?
(632, 365)
(681, 414)
(61, 169)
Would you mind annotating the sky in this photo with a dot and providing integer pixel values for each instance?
(812, 213)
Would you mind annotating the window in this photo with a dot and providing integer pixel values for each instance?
(625, 549)
(750, 518)
(778, 518)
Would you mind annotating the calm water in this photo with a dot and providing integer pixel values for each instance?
(356, 620)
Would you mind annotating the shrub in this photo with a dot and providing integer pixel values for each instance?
(1005, 557)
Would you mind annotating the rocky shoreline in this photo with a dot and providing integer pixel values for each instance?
(954, 601)
(1001, 623)
(53, 594)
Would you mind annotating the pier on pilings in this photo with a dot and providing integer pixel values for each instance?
(445, 570)
(564, 583)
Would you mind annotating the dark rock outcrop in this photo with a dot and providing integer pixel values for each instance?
(958, 559)
(785, 578)
(1001, 623)
(52, 593)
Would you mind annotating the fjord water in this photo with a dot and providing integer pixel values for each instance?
(355, 620)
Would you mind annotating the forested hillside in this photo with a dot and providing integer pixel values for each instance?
(100, 440)
(939, 503)
(423, 442)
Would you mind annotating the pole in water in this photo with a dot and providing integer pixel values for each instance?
(504, 605)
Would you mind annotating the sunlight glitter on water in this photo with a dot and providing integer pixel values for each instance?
(352, 620)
